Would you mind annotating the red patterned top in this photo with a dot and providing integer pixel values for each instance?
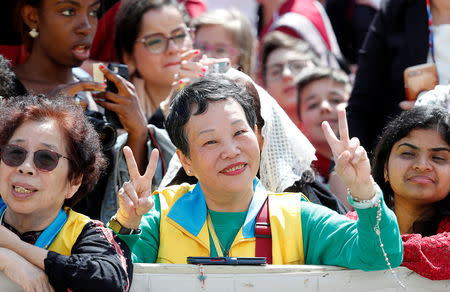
(427, 256)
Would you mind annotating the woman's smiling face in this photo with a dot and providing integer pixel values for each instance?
(418, 168)
(223, 149)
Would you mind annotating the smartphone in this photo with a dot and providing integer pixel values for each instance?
(121, 70)
(234, 261)
(220, 67)
(419, 78)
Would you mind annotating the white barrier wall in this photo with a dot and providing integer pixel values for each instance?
(186, 278)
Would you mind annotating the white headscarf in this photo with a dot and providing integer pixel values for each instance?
(286, 152)
(440, 95)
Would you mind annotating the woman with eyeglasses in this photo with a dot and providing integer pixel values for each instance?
(50, 158)
(153, 39)
(226, 33)
(282, 59)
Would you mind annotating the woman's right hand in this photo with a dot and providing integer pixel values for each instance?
(23, 273)
(135, 195)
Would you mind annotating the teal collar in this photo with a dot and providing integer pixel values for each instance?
(48, 235)
(190, 210)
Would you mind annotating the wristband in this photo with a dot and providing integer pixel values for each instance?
(365, 204)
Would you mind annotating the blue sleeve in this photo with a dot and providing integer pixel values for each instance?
(145, 245)
(333, 239)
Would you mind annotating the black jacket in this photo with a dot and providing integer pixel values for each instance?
(397, 39)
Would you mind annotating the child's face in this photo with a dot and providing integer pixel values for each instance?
(320, 101)
(282, 68)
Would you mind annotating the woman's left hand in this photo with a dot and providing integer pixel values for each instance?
(352, 163)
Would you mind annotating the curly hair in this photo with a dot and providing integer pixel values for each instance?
(6, 78)
(421, 117)
(83, 147)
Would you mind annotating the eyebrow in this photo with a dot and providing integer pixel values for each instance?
(160, 33)
(76, 3)
(275, 65)
(310, 97)
(440, 149)
(68, 1)
(212, 130)
(432, 149)
(336, 93)
(51, 146)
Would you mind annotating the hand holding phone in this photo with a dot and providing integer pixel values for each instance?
(121, 70)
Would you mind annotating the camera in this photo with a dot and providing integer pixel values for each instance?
(106, 131)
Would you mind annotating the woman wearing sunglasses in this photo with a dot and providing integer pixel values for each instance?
(50, 158)
(153, 39)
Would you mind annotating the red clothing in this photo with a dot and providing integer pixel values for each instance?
(427, 256)
(194, 7)
(322, 167)
(15, 54)
(306, 8)
(103, 45)
(307, 20)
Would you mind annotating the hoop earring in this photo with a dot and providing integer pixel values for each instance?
(33, 33)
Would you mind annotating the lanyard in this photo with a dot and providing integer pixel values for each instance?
(48, 235)
(431, 37)
(214, 237)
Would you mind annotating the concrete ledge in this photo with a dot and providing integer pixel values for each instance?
(273, 278)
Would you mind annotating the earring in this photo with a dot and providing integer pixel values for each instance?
(33, 33)
(189, 172)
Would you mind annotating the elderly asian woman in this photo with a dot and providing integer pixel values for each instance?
(50, 158)
(212, 124)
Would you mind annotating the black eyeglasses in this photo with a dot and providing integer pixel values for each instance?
(158, 43)
(44, 160)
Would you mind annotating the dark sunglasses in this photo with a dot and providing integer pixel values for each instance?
(158, 43)
(44, 160)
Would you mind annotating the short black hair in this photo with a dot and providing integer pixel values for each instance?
(129, 19)
(421, 117)
(212, 88)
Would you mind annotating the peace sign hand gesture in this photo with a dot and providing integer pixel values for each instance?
(352, 163)
(135, 195)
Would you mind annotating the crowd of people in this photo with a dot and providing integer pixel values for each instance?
(222, 120)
